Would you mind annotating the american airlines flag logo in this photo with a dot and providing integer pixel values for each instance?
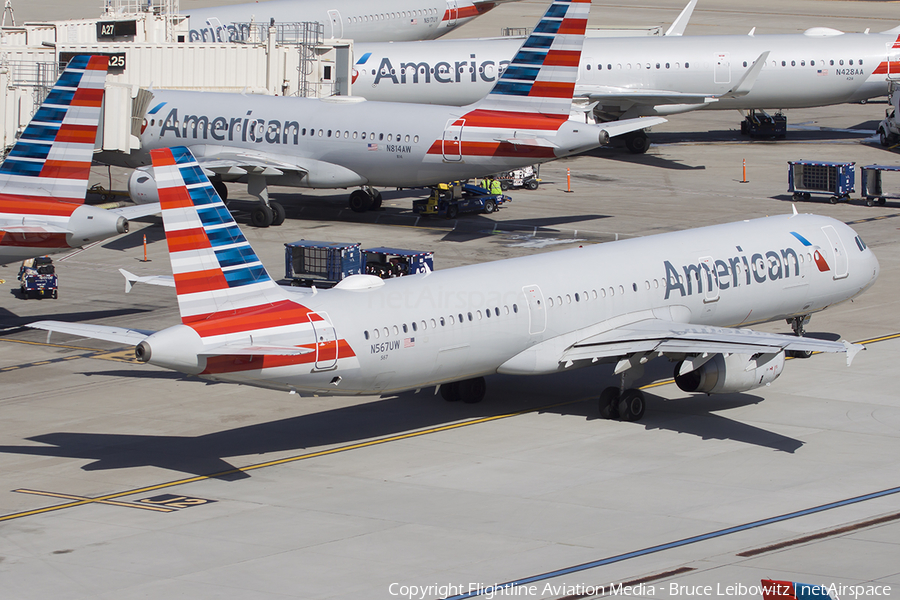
(373, 146)
(413, 21)
(409, 342)
(822, 72)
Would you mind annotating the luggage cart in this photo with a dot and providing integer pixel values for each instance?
(807, 177)
(395, 262)
(872, 186)
(321, 264)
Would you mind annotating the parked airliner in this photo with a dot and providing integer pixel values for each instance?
(349, 142)
(360, 20)
(43, 180)
(682, 295)
(623, 77)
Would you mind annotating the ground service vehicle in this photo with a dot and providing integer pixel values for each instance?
(526, 177)
(451, 200)
(395, 262)
(37, 277)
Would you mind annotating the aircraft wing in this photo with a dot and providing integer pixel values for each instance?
(139, 210)
(131, 279)
(614, 128)
(633, 337)
(616, 95)
(218, 160)
(122, 335)
(656, 335)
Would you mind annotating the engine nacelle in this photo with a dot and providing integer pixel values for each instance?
(177, 348)
(89, 224)
(733, 373)
(142, 186)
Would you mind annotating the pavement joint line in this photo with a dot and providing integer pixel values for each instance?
(320, 453)
(494, 589)
(110, 502)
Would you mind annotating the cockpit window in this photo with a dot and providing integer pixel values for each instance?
(860, 244)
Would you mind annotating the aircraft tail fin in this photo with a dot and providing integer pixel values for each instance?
(217, 274)
(52, 158)
(541, 77)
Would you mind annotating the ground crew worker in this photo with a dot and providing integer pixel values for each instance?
(495, 187)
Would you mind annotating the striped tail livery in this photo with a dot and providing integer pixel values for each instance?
(43, 180)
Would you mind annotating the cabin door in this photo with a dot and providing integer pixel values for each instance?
(840, 264)
(722, 72)
(326, 340)
(537, 312)
(337, 26)
(452, 142)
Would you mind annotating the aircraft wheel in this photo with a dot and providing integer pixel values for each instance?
(532, 185)
(609, 403)
(261, 216)
(882, 201)
(278, 211)
(450, 391)
(452, 212)
(637, 142)
(800, 353)
(806, 196)
(631, 405)
(471, 391)
(360, 201)
(489, 206)
(221, 189)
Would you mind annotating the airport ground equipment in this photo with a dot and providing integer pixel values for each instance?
(321, 264)
(760, 124)
(889, 129)
(526, 177)
(833, 179)
(872, 184)
(451, 200)
(38, 279)
(395, 262)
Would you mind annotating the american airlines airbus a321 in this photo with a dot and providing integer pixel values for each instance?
(43, 180)
(680, 295)
(360, 20)
(621, 78)
(348, 142)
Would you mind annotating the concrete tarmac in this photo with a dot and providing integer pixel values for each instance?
(125, 481)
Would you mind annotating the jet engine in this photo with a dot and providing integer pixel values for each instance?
(89, 224)
(179, 348)
(142, 186)
(733, 373)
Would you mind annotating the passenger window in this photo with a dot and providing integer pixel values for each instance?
(366, 334)
(550, 301)
(396, 330)
(470, 316)
(515, 308)
(497, 311)
(414, 326)
(404, 328)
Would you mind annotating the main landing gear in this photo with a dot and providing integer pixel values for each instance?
(365, 199)
(470, 391)
(627, 405)
(266, 212)
(637, 142)
(798, 324)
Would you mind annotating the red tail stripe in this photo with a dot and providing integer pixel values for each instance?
(553, 89)
(63, 169)
(887, 67)
(562, 58)
(88, 97)
(187, 239)
(572, 27)
(82, 134)
(98, 63)
(32, 205)
(235, 363)
(162, 157)
(463, 12)
(200, 281)
(174, 197)
(251, 318)
(499, 149)
(512, 120)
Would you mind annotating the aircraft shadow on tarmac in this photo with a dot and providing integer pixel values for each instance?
(208, 454)
(135, 239)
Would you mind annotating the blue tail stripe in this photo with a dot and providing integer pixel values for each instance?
(529, 58)
(521, 73)
(226, 236)
(17, 167)
(214, 215)
(60, 97)
(556, 11)
(49, 114)
(236, 256)
(69, 79)
(537, 41)
(548, 27)
(182, 155)
(43, 133)
(30, 150)
(247, 275)
(204, 195)
(512, 88)
(79, 62)
(192, 175)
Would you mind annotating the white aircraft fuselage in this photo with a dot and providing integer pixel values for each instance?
(632, 76)
(345, 143)
(359, 20)
(522, 315)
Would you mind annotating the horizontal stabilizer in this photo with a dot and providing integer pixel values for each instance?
(535, 142)
(254, 350)
(131, 279)
(120, 335)
(614, 128)
(42, 228)
(137, 211)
